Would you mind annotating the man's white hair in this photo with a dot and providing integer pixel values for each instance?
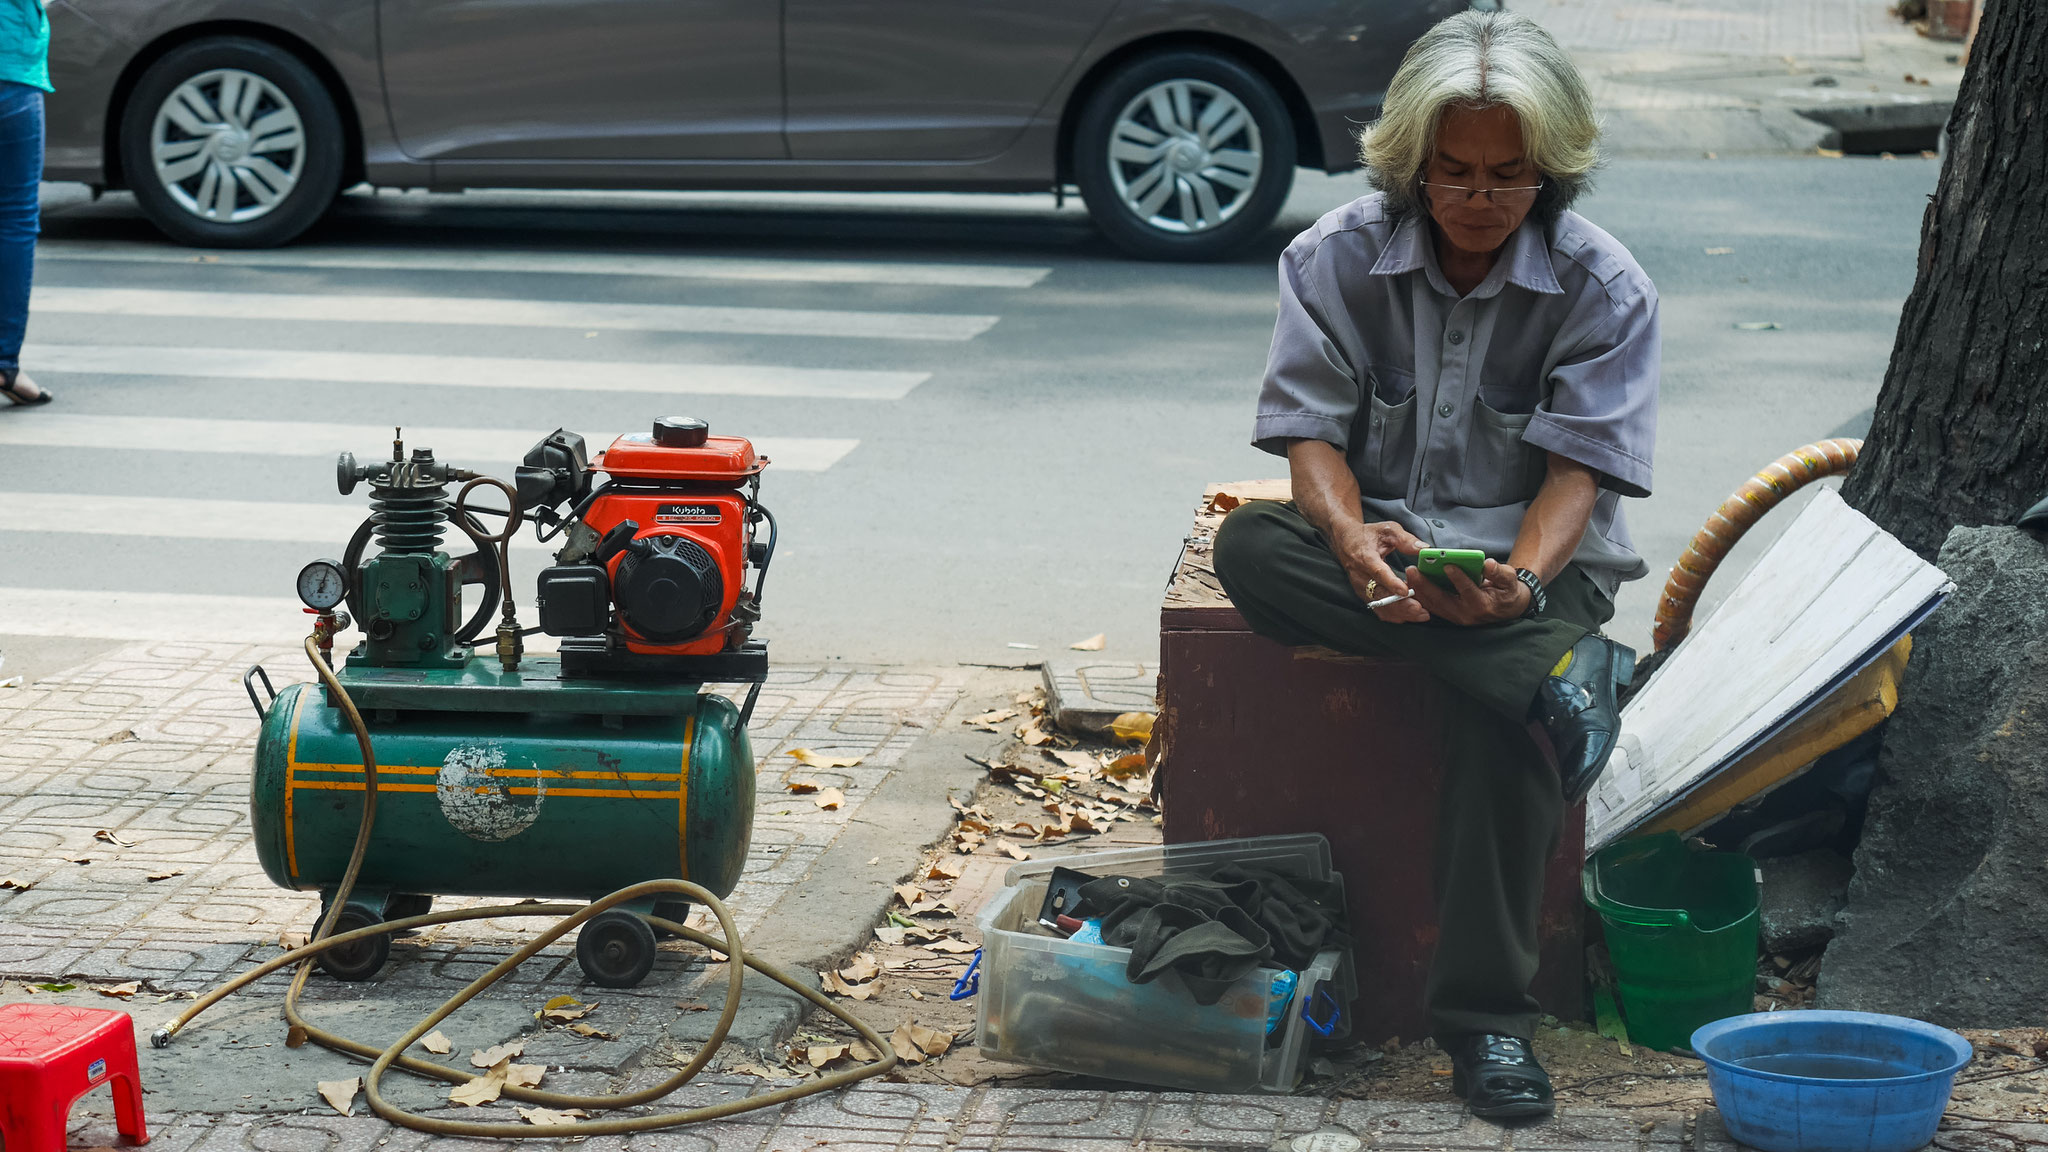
(1484, 60)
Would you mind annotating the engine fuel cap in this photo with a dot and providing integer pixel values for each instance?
(681, 432)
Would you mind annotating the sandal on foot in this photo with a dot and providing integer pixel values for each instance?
(1498, 1077)
(19, 400)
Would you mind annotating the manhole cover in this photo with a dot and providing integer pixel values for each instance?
(1326, 1142)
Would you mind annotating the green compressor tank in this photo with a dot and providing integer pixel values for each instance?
(508, 784)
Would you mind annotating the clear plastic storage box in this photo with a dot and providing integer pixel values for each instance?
(1052, 1003)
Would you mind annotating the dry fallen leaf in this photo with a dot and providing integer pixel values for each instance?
(563, 1009)
(944, 869)
(294, 1037)
(948, 944)
(1080, 762)
(591, 1032)
(914, 1042)
(819, 1055)
(838, 987)
(1033, 732)
(437, 1043)
(341, 1093)
(289, 940)
(1133, 727)
(992, 717)
(484, 1088)
(803, 787)
(78, 859)
(806, 756)
(105, 836)
(831, 799)
(860, 1051)
(14, 884)
(890, 935)
(1015, 852)
(909, 893)
(121, 991)
(549, 1117)
(861, 968)
(1095, 643)
(153, 877)
(524, 1075)
(1126, 767)
(124, 736)
(492, 1057)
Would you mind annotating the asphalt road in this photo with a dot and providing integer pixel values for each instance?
(1031, 417)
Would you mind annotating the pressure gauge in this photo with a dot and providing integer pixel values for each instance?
(322, 584)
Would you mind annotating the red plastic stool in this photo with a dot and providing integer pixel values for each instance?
(50, 1055)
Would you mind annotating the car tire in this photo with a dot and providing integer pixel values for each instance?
(279, 148)
(1184, 155)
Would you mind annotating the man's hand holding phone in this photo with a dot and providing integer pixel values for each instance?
(1447, 591)
(1363, 551)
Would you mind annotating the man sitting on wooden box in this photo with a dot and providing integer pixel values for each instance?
(1461, 362)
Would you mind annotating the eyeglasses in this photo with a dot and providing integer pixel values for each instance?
(1456, 196)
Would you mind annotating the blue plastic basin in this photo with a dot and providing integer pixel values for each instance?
(1830, 1081)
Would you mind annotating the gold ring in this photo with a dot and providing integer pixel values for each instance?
(1372, 589)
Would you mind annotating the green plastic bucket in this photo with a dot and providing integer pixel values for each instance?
(1681, 931)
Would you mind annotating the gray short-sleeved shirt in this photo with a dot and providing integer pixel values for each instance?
(1446, 406)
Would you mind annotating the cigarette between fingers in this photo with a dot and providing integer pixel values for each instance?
(1387, 601)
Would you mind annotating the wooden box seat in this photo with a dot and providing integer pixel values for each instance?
(1257, 738)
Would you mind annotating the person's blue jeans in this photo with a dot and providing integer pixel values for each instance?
(21, 175)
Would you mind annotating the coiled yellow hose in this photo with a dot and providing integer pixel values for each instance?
(737, 961)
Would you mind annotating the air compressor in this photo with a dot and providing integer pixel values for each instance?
(513, 775)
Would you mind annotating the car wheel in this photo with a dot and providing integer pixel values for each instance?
(230, 142)
(1184, 156)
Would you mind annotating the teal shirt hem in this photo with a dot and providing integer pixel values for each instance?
(25, 43)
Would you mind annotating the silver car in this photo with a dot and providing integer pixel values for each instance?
(236, 123)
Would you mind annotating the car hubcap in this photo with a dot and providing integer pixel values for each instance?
(228, 146)
(1185, 156)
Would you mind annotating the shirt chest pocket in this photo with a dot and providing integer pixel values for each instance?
(1383, 443)
(1499, 467)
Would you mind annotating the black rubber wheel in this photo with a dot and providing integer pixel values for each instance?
(361, 960)
(1203, 135)
(676, 910)
(616, 949)
(252, 144)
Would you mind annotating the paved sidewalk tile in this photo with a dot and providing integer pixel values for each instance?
(153, 743)
(906, 1118)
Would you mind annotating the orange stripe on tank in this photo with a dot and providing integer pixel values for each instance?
(683, 798)
(384, 787)
(291, 768)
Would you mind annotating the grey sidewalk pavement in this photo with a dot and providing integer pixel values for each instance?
(882, 1117)
(1733, 76)
(124, 823)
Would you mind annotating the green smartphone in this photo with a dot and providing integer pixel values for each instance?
(1431, 562)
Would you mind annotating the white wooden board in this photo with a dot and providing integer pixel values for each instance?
(1829, 597)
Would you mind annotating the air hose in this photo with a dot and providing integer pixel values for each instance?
(729, 946)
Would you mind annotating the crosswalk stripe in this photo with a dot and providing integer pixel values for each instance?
(275, 307)
(291, 438)
(568, 263)
(474, 371)
(167, 616)
(181, 517)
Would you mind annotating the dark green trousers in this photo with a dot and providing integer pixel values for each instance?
(1502, 808)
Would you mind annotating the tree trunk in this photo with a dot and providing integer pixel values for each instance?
(1961, 429)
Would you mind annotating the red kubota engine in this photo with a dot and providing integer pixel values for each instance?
(652, 575)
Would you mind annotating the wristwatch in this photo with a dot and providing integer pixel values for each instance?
(1537, 600)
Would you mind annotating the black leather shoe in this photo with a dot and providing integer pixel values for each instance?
(1578, 712)
(1498, 1077)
